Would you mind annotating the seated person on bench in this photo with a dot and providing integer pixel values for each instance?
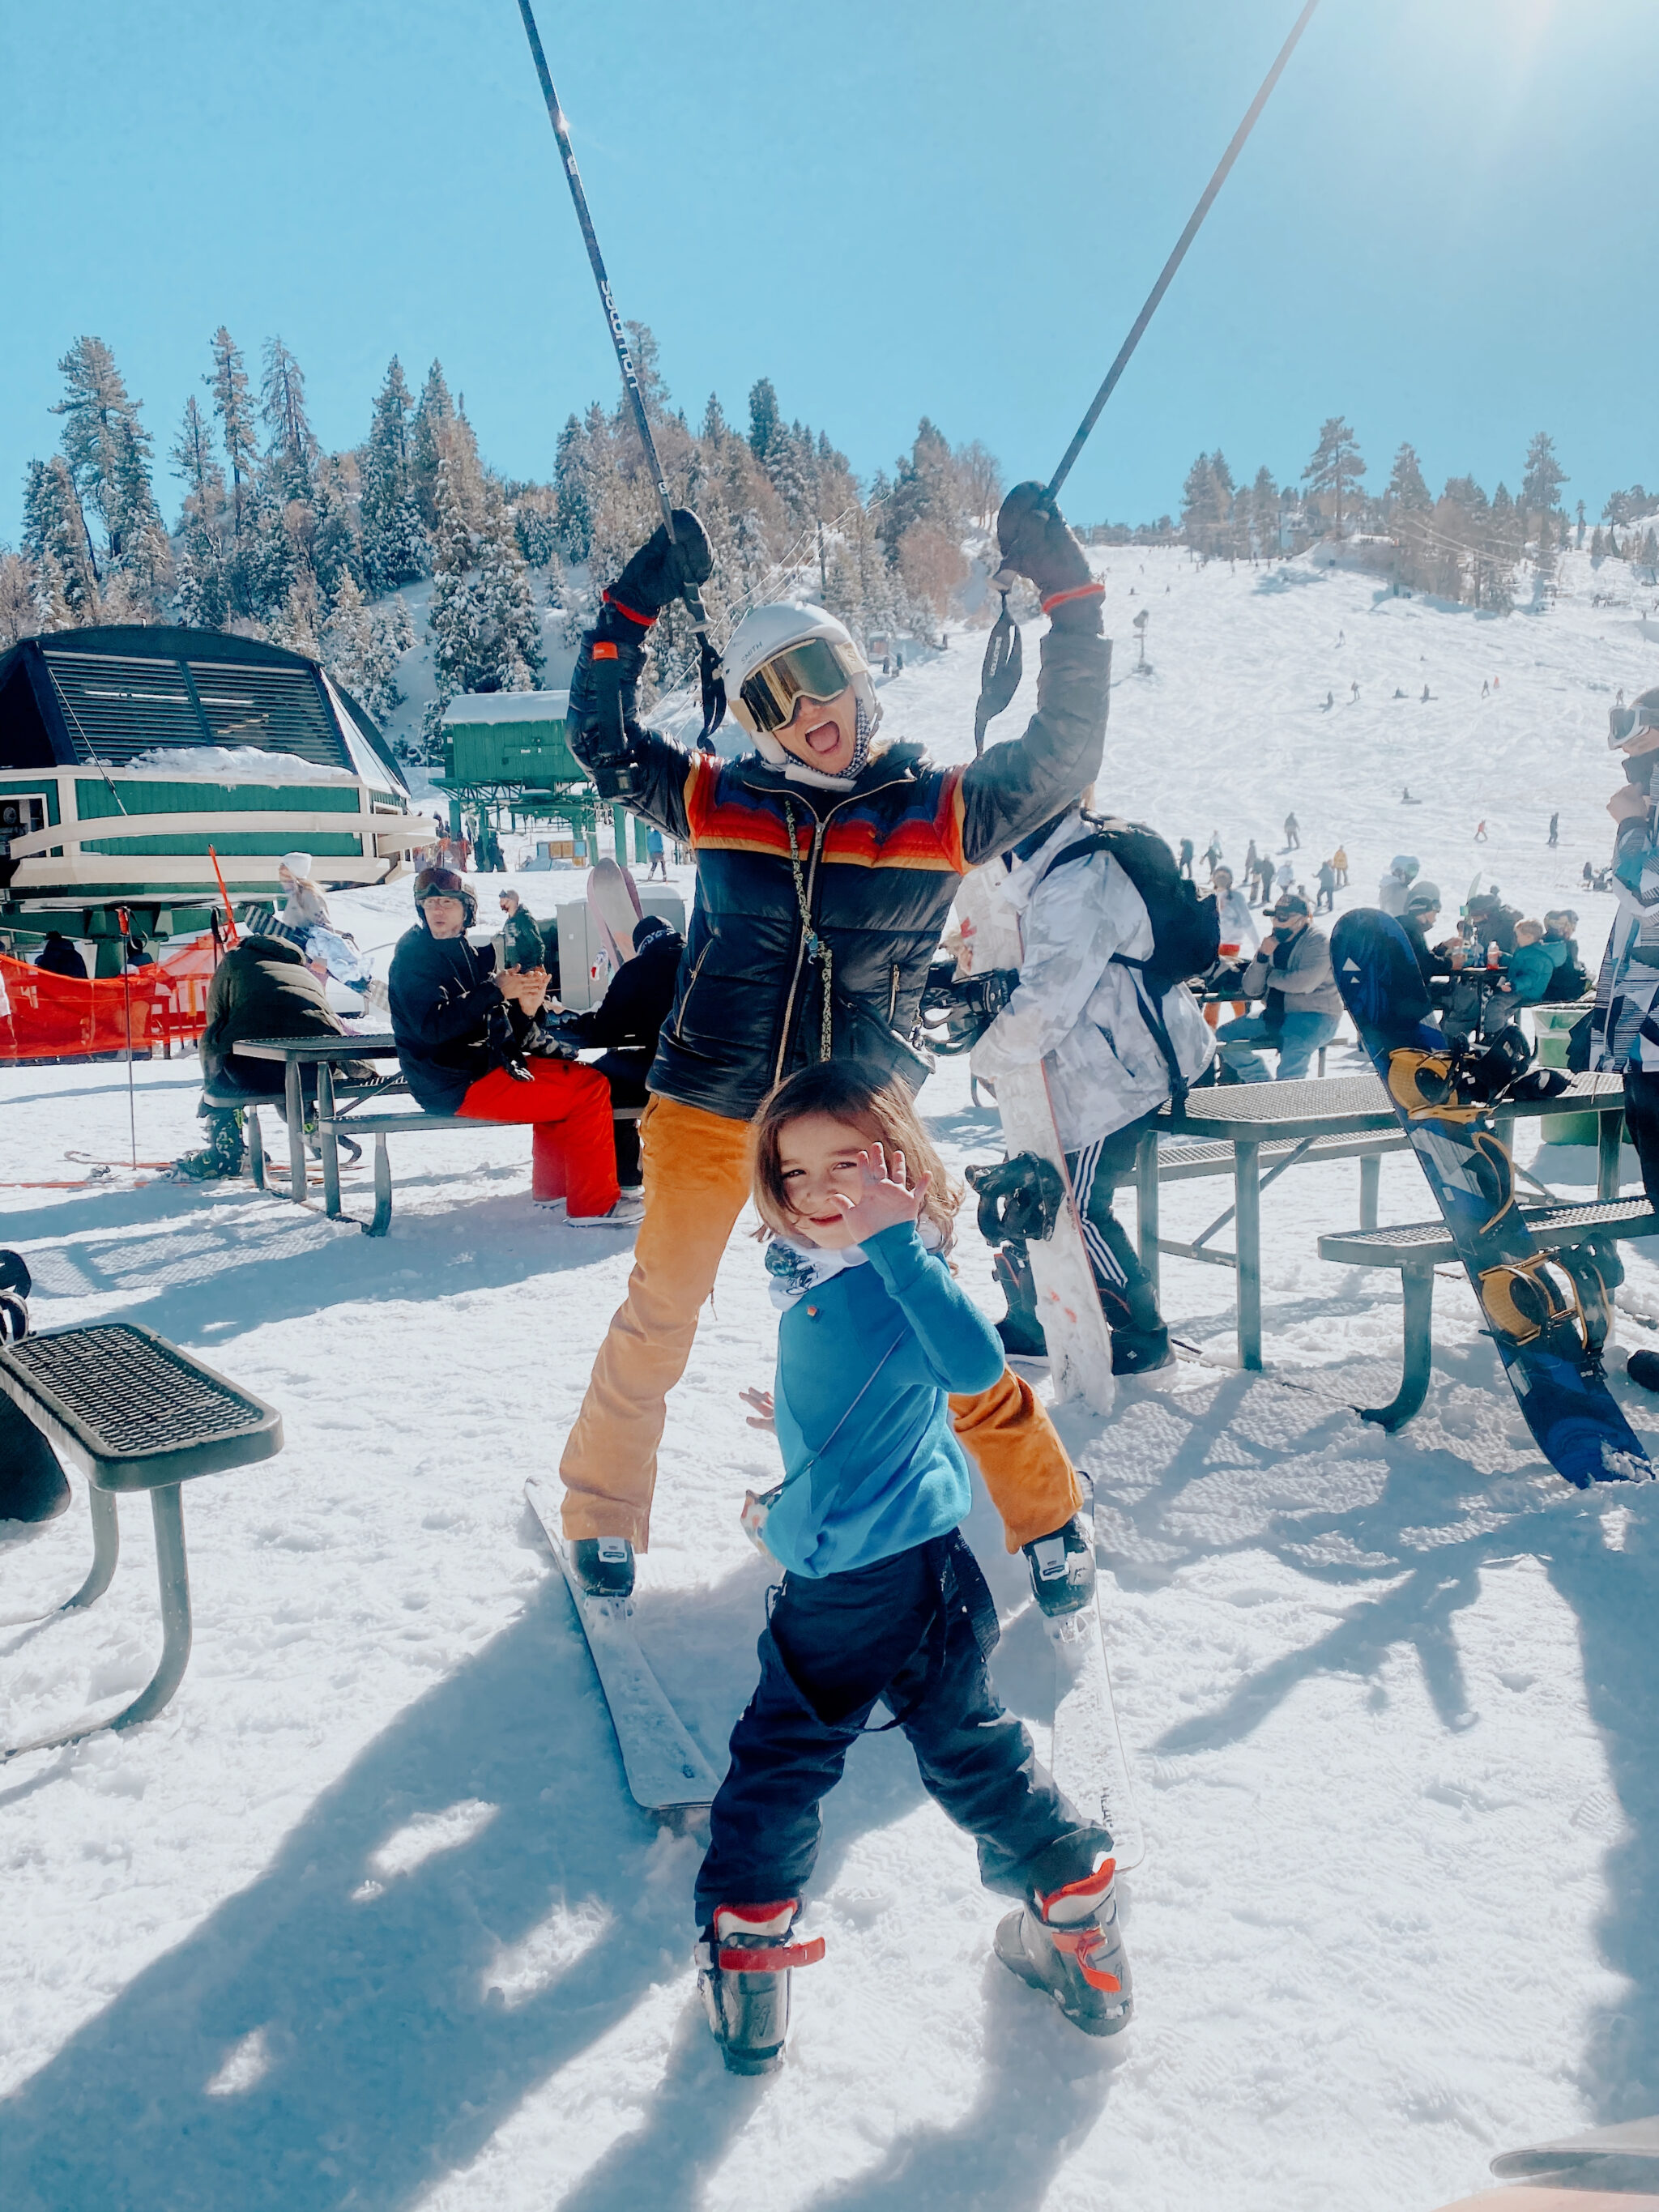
(1292, 972)
(462, 1031)
(627, 1022)
(261, 988)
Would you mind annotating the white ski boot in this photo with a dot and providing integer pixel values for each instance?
(743, 1965)
(1066, 1942)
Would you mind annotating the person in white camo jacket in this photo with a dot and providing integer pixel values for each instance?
(1084, 1014)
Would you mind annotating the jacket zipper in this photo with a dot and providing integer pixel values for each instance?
(892, 995)
(696, 970)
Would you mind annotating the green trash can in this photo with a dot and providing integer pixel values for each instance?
(1550, 1027)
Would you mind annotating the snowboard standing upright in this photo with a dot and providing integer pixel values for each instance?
(1534, 1302)
(1073, 1326)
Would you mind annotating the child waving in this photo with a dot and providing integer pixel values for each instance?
(882, 1599)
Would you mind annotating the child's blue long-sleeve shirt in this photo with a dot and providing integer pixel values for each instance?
(870, 1476)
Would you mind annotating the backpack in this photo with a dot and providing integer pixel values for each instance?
(1186, 928)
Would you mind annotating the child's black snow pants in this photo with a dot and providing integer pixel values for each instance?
(915, 1630)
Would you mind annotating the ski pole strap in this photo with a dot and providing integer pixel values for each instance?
(611, 600)
(1076, 592)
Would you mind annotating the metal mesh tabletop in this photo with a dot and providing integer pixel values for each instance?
(131, 1409)
(378, 1044)
(1248, 1112)
(1629, 1216)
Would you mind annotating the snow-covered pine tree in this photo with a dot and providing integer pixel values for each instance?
(231, 403)
(393, 537)
(765, 418)
(1334, 470)
(55, 537)
(1406, 491)
(292, 451)
(19, 599)
(573, 486)
(434, 411)
(108, 449)
(1264, 512)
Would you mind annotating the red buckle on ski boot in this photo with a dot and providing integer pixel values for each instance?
(744, 1965)
(1066, 1944)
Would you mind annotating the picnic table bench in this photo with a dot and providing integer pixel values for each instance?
(134, 1412)
(1417, 1249)
(1344, 1116)
(326, 1054)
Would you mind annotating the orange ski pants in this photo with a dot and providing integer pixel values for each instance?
(696, 1180)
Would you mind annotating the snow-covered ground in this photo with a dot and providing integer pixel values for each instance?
(367, 1918)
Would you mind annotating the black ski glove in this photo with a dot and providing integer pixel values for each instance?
(1036, 542)
(1062, 1569)
(659, 572)
(603, 688)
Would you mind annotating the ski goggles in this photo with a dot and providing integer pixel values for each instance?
(818, 668)
(1624, 722)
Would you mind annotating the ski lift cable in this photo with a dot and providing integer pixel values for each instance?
(1167, 274)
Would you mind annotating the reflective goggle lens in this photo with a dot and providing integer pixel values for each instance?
(815, 668)
(1623, 722)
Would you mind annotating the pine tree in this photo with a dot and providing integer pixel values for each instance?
(108, 449)
(572, 472)
(1541, 487)
(20, 599)
(55, 537)
(1264, 511)
(1406, 491)
(1335, 466)
(765, 418)
(393, 534)
(434, 413)
(292, 450)
(235, 409)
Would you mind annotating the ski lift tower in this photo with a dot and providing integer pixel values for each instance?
(1140, 638)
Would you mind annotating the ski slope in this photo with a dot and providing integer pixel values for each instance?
(368, 1918)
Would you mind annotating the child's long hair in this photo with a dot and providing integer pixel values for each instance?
(852, 1092)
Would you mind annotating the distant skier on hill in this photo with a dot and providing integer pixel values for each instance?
(1555, 830)
(1292, 833)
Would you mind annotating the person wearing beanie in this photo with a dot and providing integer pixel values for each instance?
(827, 862)
(1291, 974)
(461, 1029)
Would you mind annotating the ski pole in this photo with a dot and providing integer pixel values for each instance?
(713, 692)
(1167, 274)
(125, 919)
(230, 919)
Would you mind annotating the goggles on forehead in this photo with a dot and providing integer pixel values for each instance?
(1624, 722)
(818, 668)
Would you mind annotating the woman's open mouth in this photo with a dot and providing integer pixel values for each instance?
(824, 739)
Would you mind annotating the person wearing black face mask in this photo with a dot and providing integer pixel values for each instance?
(1291, 974)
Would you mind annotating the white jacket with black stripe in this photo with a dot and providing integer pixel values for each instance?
(1077, 1007)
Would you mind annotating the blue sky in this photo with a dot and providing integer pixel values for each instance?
(1440, 228)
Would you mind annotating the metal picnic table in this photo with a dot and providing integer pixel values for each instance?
(324, 1054)
(1343, 1116)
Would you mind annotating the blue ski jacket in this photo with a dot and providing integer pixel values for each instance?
(867, 1362)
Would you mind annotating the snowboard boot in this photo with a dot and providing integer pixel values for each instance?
(1066, 1942)
(1062, 1569)
(604, 1566)
(1019, 1329)
(743, 1965)
(1140, 1350)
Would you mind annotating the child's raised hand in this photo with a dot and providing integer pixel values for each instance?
(763, 1416)
(885, 1200)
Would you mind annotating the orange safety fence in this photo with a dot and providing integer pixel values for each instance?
(47, 1016)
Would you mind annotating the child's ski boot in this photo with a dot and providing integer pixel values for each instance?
(744, 1964)
(1066, 1941)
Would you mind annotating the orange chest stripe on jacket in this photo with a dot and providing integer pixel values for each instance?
(726, 816)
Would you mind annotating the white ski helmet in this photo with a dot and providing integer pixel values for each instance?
(763, 657)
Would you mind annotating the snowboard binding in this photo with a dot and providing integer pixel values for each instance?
(1019, 1200)
(743, 1965)
(957, 1010)
(1537, 1301)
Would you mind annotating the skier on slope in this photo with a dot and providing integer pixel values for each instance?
(1111, 1050)
(881, 1598)
(1292, 833)
(826, 865)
